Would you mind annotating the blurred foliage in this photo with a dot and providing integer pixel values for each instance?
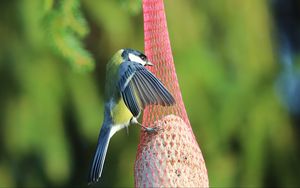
(65, 26)
(226, 62)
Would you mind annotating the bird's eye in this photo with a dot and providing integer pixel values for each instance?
(143, 58)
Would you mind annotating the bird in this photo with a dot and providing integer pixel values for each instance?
(129, 88)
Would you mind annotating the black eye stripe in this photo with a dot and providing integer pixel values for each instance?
(127, 51)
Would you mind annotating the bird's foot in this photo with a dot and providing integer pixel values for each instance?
(150, 129)
(147, 129)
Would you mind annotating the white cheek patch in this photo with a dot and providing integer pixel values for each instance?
(137, 59)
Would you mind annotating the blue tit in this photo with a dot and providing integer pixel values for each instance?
(129, 87)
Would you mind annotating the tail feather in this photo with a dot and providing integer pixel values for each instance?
(99, 157)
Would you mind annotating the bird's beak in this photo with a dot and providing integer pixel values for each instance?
(149, 63)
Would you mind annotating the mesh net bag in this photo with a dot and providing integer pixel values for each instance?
(171, 157)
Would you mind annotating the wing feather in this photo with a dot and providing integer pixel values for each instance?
(139, 88)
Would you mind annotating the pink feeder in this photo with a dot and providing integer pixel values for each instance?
(171, 157)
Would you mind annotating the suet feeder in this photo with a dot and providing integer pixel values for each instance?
(171, 157)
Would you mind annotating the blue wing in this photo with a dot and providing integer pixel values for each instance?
(139, 87)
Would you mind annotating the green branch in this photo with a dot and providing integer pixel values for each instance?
(65, 29)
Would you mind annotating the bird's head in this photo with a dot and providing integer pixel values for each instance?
(135, 56)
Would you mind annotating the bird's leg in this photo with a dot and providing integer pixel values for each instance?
(147, 129)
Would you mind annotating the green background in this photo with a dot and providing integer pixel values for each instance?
(52, 68)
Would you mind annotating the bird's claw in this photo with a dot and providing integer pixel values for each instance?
(147, 129)
(151, 129)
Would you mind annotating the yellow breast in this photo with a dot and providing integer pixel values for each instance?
(120, 113)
